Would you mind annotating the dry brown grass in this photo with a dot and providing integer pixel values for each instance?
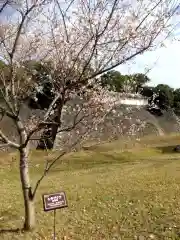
(111, 194)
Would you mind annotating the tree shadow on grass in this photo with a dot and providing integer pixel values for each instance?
(102, 159)
(7, 217)
(10, 230)
(168, 149)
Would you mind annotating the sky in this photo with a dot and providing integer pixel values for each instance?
(164, 65)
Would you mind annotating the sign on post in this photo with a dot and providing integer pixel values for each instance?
(54, 201)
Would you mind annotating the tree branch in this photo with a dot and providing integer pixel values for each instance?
(51, 106)
(20, 29)
(4, 5)
(49, 166)
(7, 113)
(64, 21)
(46, 170)
(7, 142)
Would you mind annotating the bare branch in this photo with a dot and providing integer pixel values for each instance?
(122, 61)
(24, 16)
(39, 126)
(47, 169)
(51, 106)
(63, 18)
(53, 162)
(4, 5)
(4, 111)
(7, 142)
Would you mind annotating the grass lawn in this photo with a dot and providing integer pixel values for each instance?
(112, 194)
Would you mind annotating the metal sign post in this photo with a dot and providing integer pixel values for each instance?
(54, 235)
(54, 201)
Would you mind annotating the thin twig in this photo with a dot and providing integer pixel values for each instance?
(64, 21)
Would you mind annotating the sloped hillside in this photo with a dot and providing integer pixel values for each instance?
(124, 121)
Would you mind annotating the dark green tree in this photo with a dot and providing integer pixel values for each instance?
(164, 96)
(176, 104)
(139, 80)
(113, 80)
(42, 94)
(117, 82)
(149, 93)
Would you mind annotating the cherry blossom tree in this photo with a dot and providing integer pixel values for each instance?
(80, 40)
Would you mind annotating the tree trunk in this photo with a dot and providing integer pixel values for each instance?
(48, 136)
(29, 221)
(46, 141)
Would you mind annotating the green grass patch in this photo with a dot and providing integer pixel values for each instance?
(114, 192)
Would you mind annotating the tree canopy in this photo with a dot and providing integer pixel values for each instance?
(161, 96)
(164, 96)
(117, 82)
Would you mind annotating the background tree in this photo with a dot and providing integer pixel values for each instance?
(149, 93)
(164, 96)
(113, 80)
(42, 94)
(139, 80)
(82, 40)
(176, 104)
(161, 96)
(124, 83)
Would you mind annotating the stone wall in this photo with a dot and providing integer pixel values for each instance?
(133, 102)
(122, 121)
